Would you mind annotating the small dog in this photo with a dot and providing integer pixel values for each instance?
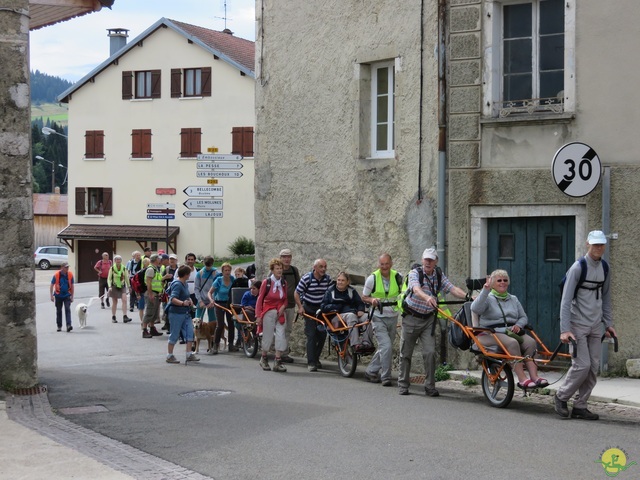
(81, 311)
(205, 331)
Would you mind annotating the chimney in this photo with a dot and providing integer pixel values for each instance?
(118, 38)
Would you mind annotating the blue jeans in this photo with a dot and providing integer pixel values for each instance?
(180, 323)
(67, 310)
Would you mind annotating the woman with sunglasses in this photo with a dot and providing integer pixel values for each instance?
(503, 312)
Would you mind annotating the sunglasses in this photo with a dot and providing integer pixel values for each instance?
(502, 280)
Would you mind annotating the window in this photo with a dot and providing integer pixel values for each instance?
(506, 246)
(190, 145)
(196, 82)
(145, 84)
(93, 201)
(528, 59)
(382, 110)
(553, 248)
(242, 141)
(141, 143)
(94, 144)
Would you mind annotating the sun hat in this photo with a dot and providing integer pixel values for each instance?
(430, 253)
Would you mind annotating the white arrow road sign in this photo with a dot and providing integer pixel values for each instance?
(217, 174)
(215, 157)
(203, 214)
(204, 204)
(223, 165)
(203, 191)
(161, 205)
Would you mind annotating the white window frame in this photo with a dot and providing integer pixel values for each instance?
(493, 56)
(389, 152)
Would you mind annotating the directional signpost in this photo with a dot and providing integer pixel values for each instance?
(161, 211)
(216, 165)
(217, 174)
(221, 157)
(203, 191)
(203, 204)
(203, 214)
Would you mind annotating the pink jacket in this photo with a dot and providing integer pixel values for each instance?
(270, 300)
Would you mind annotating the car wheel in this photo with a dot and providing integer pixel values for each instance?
(44, 264)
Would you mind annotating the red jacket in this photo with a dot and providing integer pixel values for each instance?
(270, 300)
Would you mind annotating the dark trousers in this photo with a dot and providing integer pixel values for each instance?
(315, 337)
(221, 316)
(103, 288)
(60, 302)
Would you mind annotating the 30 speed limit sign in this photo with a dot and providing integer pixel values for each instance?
(576, 169)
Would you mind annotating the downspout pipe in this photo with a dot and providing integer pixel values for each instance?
(606, 228)
(441, 233)
(419, 201)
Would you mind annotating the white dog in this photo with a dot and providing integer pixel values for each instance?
(81, 311)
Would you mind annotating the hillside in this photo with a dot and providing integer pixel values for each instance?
(55, 112)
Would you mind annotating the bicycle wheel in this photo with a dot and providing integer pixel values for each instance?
(500, 393)
(250, 343)
(347, 362)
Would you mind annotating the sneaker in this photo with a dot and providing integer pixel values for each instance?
(287, 359)
(154, 332)
(172, 359)
(131, 309)
(165, 327)
(113, 319)
(69, 328)
(279, 367)
(125, 319)
(192, 358)
(386, 383)
(312, 368)
(403, 391)
(102, 304)
(264, 363)
(59, 329)
(107, 302)
(146, 334)
(431, 392)
(372, 377)
(561, 407)
(583, 414)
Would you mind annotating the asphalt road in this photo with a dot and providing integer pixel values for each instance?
(227, 419)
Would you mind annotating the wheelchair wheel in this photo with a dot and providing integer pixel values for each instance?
(500, 393)
(347, 363)
(250, 343)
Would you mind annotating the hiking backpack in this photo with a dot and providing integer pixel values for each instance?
(456, 336)
(583, 278)
(404, 291)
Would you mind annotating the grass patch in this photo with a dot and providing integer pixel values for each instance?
(442, 372)
(469, 381)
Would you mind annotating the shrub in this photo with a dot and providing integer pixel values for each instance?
(469, 381)
(242, 246)
(442, 372)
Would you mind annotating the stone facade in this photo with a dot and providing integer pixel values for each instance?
(18, 351)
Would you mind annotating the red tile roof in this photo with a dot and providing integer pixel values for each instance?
(50, 204)
(118, 232)
(236, 48)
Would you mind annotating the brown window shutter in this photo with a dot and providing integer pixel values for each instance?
(99, 143)
(155, 83)
(136, 143)
(146, 143)
(176, 83)
(242, 141)
(80, 201)
(206, 81)
(236, 140)
(185, 142)
(90, 144)
(107, 194)
(127, 85)
(196, 141)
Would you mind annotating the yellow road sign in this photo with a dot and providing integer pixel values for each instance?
(212, 181)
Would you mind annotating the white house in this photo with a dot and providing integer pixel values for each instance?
(136, 125)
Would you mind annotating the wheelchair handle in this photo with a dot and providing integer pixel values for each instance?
(615, 341)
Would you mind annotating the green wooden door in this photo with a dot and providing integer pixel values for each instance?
(537, 252)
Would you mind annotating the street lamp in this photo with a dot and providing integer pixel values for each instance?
(53, 171)
(49, 131)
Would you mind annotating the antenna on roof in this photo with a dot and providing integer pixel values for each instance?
(225, 18)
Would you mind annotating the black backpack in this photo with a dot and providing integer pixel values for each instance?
(457, 338)
(583, 278)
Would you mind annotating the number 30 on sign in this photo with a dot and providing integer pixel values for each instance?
(576, 169)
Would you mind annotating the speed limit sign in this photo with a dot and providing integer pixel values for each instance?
(576, 169)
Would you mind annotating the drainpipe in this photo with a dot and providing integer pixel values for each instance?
(606, 228)
(419, 201)
(442, 138)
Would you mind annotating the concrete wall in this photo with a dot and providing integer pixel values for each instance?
(18, 350)
(98, 105)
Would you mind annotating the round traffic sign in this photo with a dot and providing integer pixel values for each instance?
(576, 169)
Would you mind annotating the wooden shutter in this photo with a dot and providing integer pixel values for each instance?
(242, 141)
(190, 139)
(127, 85)
(176, 83)
(206, 81)
(155, 83)
(136, 143)
(146, 143)
(94, 144)
(81, 196)
(107, 195)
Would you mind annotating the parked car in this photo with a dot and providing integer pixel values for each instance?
(45, 257)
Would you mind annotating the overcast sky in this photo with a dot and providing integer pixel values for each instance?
(73, 48)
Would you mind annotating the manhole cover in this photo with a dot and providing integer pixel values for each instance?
(82, 410)
(206, 393)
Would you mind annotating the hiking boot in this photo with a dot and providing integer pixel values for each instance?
(583, 414)
(154, 332)
(59, 329)
(107, 302)
(264, 363)
(69, 328)
(312, 368)
(431, 392)
(125, 319)
(102, 305)
(172, 359)
(113, 319)
(386, 383)
(403, 391)
(191, 357)
(146, 334)
(279, 367)
(372, 377)
(287, 359)
(561, 407)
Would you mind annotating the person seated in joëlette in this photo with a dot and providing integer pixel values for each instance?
(503, 312)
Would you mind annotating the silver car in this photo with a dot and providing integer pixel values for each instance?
(45, 257)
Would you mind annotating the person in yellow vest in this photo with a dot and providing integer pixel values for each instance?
(118, 285)
(153, 280)
(381, 290)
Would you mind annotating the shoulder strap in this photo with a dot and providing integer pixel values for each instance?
(439, 279)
